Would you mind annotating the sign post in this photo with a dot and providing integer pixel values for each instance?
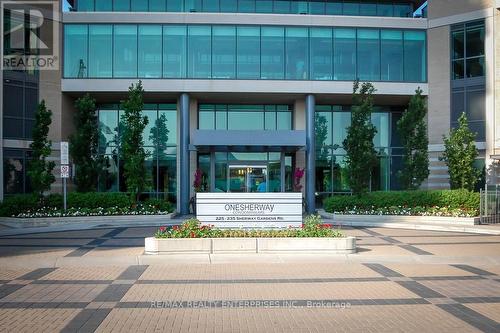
(64, 168)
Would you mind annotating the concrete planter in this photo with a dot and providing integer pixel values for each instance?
(342, 245)
(359, 220)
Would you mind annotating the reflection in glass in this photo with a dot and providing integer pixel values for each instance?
(150, 51)
(200, 52)
(224, 52)
(174, 51)
(272, 53)
(344, 54)
(124, 51)
(75, 51)
(100, 51)
(392, 55)
(368, 55)
(297, 53)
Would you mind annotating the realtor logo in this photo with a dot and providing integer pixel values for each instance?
(30, 35)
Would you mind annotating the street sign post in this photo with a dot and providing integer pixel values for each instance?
(64, 167)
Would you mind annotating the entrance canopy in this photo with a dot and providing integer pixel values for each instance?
(218, 140)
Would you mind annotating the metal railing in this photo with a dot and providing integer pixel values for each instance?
(490, 204)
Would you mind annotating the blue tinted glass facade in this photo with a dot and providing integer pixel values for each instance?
(160, 142)
(313, 7)
(244, 52)
(331, 123)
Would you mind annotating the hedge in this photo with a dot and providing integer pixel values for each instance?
(452, 199)
(17, 204)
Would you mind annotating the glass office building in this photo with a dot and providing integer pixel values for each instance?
(247, 91)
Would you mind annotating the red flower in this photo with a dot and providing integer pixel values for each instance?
(175, 227)
(192, 234)
(162, 229)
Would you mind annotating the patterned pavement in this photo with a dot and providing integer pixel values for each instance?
(385, 294)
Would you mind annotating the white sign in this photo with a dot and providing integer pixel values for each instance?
(64, 152)
(249, 210)
(64, 171)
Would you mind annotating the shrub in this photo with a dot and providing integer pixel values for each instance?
(93, 203)
(451, 199)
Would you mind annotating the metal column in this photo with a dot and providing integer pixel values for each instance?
(184, 154)
(310, 154)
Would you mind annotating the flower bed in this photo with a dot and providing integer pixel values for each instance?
(411, 211)
(312, 227)
(191, 237)
(449, 203)
(74, 212)
(81, 204)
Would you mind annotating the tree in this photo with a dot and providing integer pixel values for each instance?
(83, 145)
(460, 154)
(321, 133)
(413, 132)
(361, 155)
(132, 150)
(159, 137)
(39, 169)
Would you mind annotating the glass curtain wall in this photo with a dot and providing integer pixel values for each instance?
(314, 7)
(245, 52)
(160, 142)
(244, 117)
(331, 123)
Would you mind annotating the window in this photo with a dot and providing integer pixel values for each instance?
(248, 53)
(472, 101)
(103, 5)
(392, 55)
(316, 7)
(333, 7)
(246, 6)
(192, 5)
(415, 57)
(157, 5)
(15, 175)
(75, 50)
(211, 6)
(351, 8)
(199, 52)
(86, 5)
(224, 52)
(263, 6)
(100, 51)
(331, 123)
(150, 51)
(139, 5)
(244, 117)
(125, 51)
(297, 53)
(272, 53)
(228, 6)
(121, 5)
(175, 5)
(19, 109)
(174, 51)
(321, 50)
(344, 52)
(160, 141)
(369, 55)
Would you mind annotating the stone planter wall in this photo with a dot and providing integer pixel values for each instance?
(343, 245)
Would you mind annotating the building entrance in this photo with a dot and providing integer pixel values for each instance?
(247, 178)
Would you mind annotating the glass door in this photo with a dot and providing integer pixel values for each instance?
(245, 178)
